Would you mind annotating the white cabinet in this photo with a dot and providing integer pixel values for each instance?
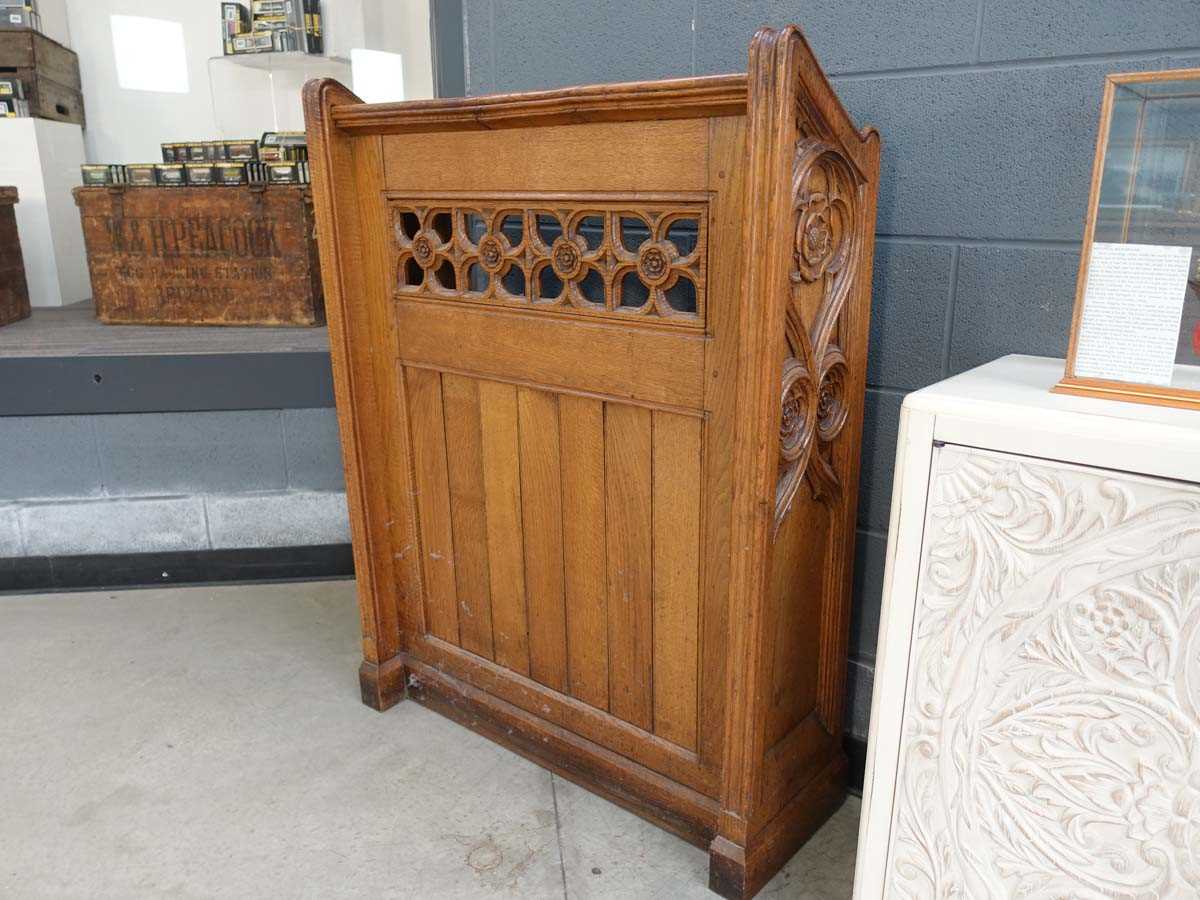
(1035, 728)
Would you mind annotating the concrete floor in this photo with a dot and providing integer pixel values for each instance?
(210, 742)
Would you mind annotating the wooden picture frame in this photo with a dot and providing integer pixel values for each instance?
(613, 531)
(1185, 391)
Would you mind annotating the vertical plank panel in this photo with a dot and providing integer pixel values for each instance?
(627, 474)
(433, 501)
(581, 421)
(676, 488)
(541, 517)
(460, 401)
(502, 500)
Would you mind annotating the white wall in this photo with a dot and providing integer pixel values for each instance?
(402, 26)
(128, 126)
(42, 159)
(54, 20)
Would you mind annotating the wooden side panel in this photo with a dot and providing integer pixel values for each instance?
(464, 462)
(793, 617)
(627, 464)
(541, 517)
(502, 496)
(581, 424)
(676, 591)
(433, 501)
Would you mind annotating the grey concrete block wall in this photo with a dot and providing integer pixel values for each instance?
(988, 111)
(293, 519)
(192, 452)
(154, 482)
(312, 450)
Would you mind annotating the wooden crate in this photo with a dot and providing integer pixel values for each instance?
(600, 358)
(49, 72)
(14, 291)
(202, 255)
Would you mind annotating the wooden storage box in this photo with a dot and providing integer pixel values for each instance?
(202, 255)
(600, 360)
(49, 72)
(14, 292)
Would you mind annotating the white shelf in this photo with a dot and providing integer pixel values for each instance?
(290, 61)
(257, 92)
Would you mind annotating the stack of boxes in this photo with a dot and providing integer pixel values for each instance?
(280, 157)
(20, 14)
(37, 70)
(16, 14)
(13, 104)
(272, 26)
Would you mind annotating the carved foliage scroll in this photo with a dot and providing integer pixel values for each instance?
(1052, 714)
(644, 260)
(826, 218)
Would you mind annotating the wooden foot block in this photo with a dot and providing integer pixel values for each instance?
(382, 683)
(739, 873)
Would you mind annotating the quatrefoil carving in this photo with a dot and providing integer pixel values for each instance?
(629, 260)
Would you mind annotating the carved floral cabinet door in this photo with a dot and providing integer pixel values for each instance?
(1048, 739)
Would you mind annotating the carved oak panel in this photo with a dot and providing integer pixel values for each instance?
(1052, 740)
(608, 256)
(558, 324)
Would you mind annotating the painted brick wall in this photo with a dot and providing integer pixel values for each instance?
(988, 111)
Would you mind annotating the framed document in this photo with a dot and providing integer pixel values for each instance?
(1136, 330)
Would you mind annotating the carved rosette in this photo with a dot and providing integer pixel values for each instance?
(642, 259)
(1057, 649)
(832, 410)
(492, 250)
(800, 405)
(655, 262)
(423, 252)
(826, 237)
(566, 257)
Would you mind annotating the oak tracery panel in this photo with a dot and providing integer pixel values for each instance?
(632, 259)
(826, 209)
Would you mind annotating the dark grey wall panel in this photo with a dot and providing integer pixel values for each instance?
(988, 154)
(847, 36)
(538, 47)
(881, 418)
(1012, 300)
(1019, 29)
(446, 37)
(46, 385)
(479, 67)
(870, 554)
(911, 295)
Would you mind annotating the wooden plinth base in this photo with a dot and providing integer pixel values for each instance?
(669, 805)
(382, 684)
(738, 873)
